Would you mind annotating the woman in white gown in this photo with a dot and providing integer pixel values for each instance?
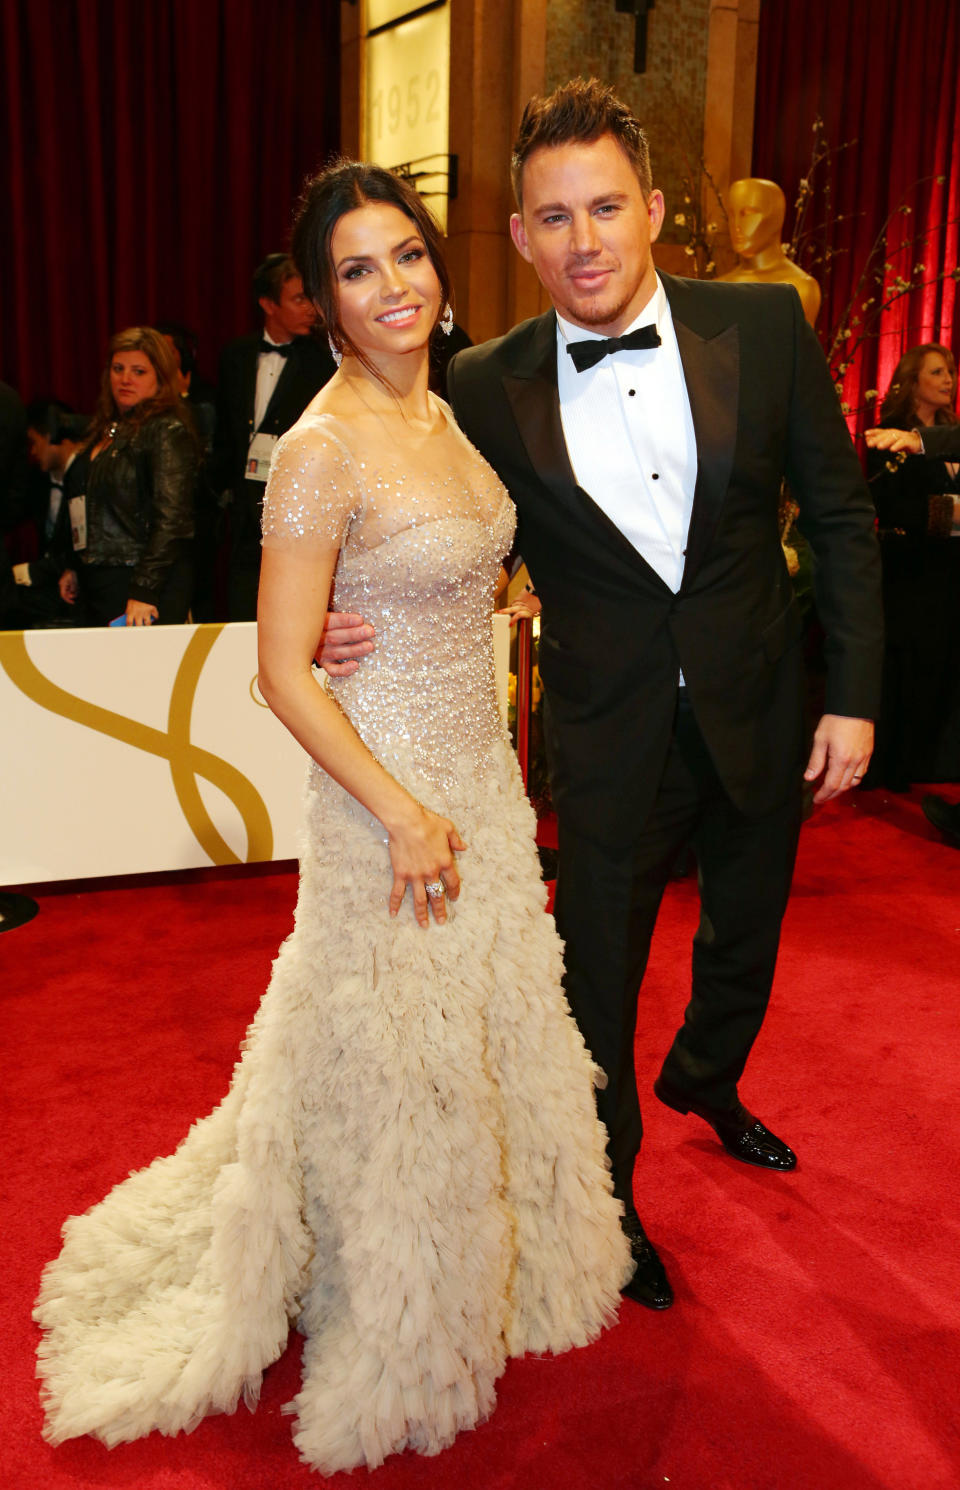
(408, 1163)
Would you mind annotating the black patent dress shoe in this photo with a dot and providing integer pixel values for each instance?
(649, 1285)
(943, 816)
(742, 1134)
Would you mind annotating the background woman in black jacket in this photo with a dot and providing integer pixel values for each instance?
(918, 737)
(131, 491)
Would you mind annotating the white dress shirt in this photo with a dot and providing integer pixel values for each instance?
(54, 503)
(269, 368)
(630, 437)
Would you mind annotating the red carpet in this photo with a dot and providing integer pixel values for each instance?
(814, 1342)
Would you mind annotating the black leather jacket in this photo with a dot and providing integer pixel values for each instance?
(140, 500)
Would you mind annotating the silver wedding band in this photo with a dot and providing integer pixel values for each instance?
(436, 889)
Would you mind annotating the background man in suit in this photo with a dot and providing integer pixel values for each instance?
(55, 435)
(646, 470)
(265, 383)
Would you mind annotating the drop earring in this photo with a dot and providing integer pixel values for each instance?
(446, 320)
(335, 353)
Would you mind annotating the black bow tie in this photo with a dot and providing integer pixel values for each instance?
(588, 353)
(281, 351)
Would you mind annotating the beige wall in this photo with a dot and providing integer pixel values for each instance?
(588, 38)
(695, 100)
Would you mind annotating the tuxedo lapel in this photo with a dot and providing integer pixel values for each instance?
(710, 353)
(248, 379)
(282, 389)
(531, 388)
(532, 391)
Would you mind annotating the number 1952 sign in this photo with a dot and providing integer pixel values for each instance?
(406, 92)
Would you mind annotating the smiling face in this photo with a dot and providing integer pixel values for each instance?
(133, 378)
(388, 291)
(935, 387)
(587, 230)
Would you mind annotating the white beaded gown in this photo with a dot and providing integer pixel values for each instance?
(408, 1163)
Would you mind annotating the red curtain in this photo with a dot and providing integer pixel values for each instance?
(152, 153)
(885, 74)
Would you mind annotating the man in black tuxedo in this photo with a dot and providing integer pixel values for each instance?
(647, 486)
(55, 435)
(647, 476)
(264, 385)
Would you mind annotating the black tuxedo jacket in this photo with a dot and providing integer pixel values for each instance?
(613, 634)
(305, 371)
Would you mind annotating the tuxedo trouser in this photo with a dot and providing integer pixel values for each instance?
(606, 908)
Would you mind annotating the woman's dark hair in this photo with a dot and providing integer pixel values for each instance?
(184, 340)
(340, 188)
(167, 397)
(900, 407)
(270, 277)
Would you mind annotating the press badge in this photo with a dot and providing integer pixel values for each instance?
(78, 522)
(259, 456)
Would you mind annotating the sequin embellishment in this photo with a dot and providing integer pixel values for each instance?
(422, 540)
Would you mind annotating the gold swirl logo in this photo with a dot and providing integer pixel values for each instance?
(187, 761)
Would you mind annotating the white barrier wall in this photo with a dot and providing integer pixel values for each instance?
(124, 750)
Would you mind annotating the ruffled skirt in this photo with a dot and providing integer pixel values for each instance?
(408, 1165)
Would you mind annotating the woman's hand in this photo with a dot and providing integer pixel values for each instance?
(139, 613)
(421, 852)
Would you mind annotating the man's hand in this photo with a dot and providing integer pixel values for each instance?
(344, 641)
(841, 753)
(68, 586)
(894, 440)
(524, 608)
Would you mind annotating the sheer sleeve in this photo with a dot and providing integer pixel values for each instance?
(313, 492)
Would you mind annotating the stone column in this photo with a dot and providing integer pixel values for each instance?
(729, 104)
(525, 294)
(484, 62)
(350, 81)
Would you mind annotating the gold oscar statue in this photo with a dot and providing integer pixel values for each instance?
(755, 211)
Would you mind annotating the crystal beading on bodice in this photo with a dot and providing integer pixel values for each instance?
(419, 560)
